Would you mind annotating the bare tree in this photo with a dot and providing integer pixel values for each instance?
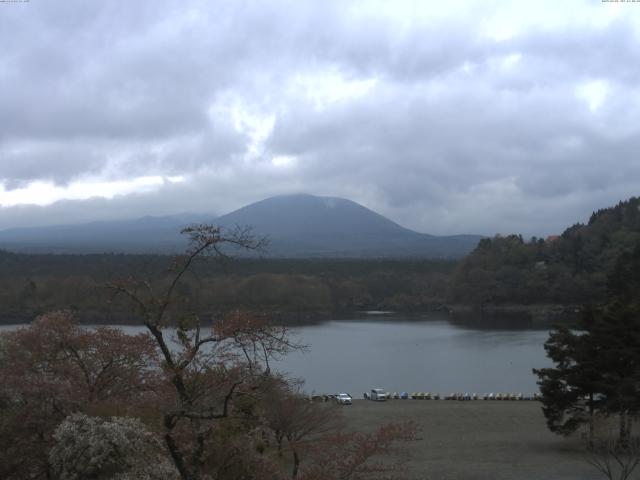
(294, 418)
(614, 458)
(352, 455)
(209, 369)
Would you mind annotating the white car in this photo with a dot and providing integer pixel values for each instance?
(343, 399)
(378, 395)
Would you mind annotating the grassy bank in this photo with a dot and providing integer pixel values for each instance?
(478, 440)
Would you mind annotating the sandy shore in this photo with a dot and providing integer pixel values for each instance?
(478, 440)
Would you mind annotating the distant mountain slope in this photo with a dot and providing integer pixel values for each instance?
(308, 215)
(297, 226)
(311, 226)
(142, 235)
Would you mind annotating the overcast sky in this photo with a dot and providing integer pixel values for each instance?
(447, 117)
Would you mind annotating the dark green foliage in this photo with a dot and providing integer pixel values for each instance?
(32, 284)
(569, 269)
(597, 368)
(624, 282)
(570, 391)
(618, 330)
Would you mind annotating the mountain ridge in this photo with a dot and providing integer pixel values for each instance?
(298, 226)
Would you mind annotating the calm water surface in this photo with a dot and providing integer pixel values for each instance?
(416, 355)
(428, 354)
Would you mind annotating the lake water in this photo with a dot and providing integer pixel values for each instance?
(425, 353)
(428, 355)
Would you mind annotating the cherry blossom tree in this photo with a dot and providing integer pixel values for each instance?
(116, 448)
(53, 368)
(216, 373)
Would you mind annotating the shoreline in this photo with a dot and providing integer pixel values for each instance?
(508, 315)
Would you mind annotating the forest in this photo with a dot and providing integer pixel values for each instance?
(314, 288)
(571, 268)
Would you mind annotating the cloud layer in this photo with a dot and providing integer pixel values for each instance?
(482, 119)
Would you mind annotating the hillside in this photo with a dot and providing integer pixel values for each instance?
(571, 268)
(311, 226)
(142, 235)
(298, 226)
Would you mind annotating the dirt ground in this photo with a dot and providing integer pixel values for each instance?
(477, 440)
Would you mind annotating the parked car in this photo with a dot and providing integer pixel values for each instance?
(344, 399)
(378, 395)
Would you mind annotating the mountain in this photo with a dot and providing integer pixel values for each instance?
(312, 226)
(296, 225)
(142, 235)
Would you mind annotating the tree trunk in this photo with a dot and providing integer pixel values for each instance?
(176, 455)
(279, 439)
(296, 463)
(591, 422)
(624, 432)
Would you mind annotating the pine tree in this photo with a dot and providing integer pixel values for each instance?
(570, 391)
(597, 368)
(617, 332)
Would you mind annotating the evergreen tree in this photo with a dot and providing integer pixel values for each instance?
(570, 390)
(597, 368)
(617, 332)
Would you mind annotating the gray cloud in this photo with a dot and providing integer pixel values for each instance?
(419, 114)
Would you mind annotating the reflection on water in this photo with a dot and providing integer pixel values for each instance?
(418, 353)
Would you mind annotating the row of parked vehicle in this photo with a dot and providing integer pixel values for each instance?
(341, 398)
(380, 395)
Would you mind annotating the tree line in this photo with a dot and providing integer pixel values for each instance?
(34, 284)
(571, 268)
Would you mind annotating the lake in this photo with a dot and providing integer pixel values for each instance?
(425, 353)
(416, 354)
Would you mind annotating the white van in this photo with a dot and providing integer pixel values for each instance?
(378, 394)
